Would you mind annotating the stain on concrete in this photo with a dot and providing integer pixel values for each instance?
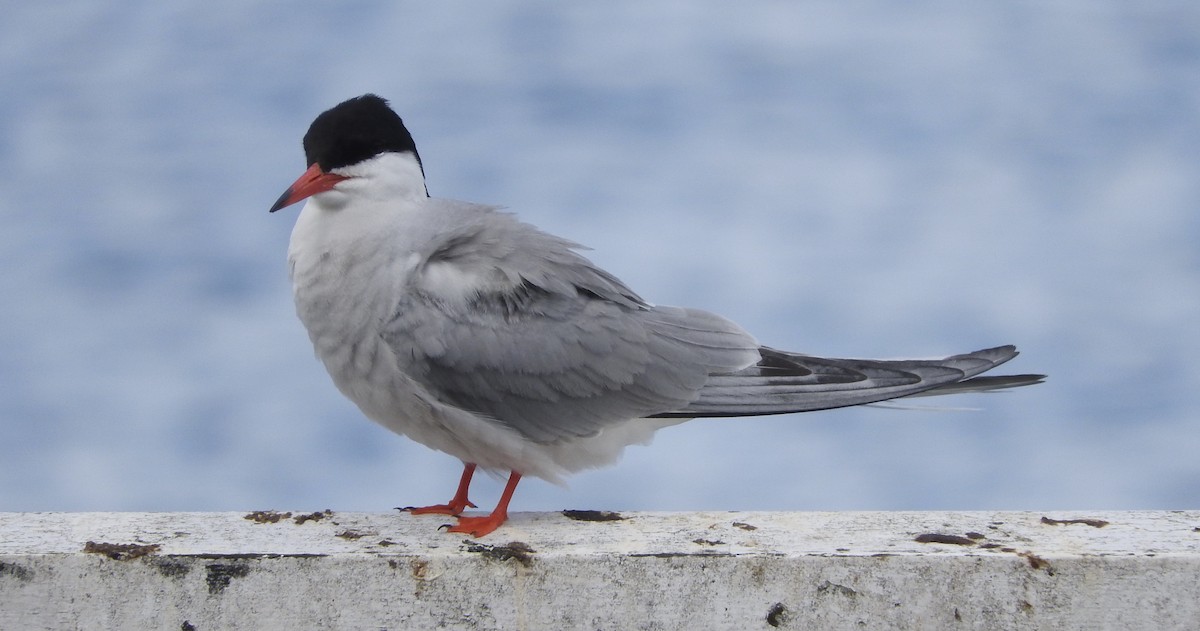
(777, 615)
(220, 575)
(683, 555)
(238, 556)
(828, 587)
(19, 572)
(171, 568)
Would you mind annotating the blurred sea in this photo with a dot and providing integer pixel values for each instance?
(855, 179)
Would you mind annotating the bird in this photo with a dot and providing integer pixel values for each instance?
(480, 336)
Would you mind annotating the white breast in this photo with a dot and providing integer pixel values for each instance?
(347, 277)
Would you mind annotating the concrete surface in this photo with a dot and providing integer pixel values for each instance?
(926, 570)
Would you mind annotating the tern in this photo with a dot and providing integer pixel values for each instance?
(468, 331)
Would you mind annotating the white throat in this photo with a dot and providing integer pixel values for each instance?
(387, 177)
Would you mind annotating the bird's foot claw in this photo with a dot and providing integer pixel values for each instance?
(478, 526)
(453, 508)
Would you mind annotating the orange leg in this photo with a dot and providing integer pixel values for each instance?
(457, 504)
(480, 526)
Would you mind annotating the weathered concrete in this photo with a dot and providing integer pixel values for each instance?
(203, 571)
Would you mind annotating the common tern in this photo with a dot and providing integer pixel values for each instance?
(480, 336)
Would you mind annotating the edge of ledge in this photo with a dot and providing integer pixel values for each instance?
(595, 532)
(267, 570)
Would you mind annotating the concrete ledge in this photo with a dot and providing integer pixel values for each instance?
(929, 570)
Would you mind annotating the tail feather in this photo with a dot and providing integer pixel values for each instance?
(783, 382)
(982, 384)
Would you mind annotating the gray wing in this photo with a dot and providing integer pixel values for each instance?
(565, 366)
(556, 348)
(785, 382)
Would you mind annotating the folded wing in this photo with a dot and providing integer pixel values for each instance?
(510, 323)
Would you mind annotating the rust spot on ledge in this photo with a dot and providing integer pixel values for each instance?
(935, 537)
(1095, 523)
(266, 516)
(1036, 562)
(317, 516)
(516, 550)
(121, 551)
(592, 515)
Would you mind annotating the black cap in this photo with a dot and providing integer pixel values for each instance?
(356, 130)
